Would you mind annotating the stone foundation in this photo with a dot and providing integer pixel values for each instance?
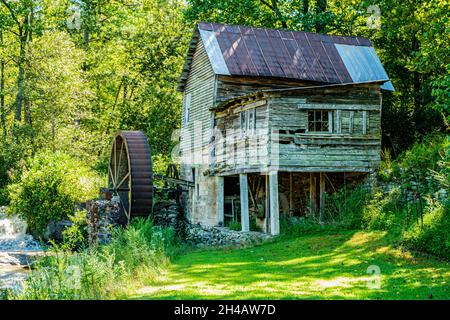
(204, 236)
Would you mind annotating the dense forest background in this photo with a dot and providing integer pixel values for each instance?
(72, 72)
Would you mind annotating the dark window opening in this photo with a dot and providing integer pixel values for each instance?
(319, 121)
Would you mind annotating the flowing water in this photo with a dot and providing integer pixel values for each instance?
(16, 250)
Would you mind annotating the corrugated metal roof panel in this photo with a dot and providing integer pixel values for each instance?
(214, 53)
(362, 63)
(247, 51)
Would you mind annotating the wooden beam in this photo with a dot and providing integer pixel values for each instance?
(312, 193)
(220, 200)
(322, 196)
(274, 205)
(291, 200)
(245, 218)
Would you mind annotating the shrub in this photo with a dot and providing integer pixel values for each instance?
(11, 165)
(346, 207)
(297, 226)
(139, 252)
(235, 225)
(76, 236)
(433, 236)
(50, 189)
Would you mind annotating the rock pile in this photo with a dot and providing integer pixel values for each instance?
(167, 214)
(102, 217)
(204, 236)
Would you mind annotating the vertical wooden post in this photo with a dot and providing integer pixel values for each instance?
(220, 185)
(274, 205)
(364, 122)
(267, 206)
(321, 195)
(312, 193)
(291, 200)
(245, 219)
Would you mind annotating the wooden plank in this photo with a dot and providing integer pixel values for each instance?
(364, 122)
(322, 196)
(220, 184)
(274, 205)
(312, 193)
(243, 186)
(291, 198)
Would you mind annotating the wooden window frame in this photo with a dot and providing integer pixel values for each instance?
(247, 122)
(187, 108)
(316, 121)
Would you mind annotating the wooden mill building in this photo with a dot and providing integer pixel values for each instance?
(273, 120)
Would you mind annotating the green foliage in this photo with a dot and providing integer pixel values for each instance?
(346, 207)
(253, 225)
(137, 253)
(76, 235)
(410, 199)
(235, 225)
(11, 166)
(294, 226)
(433, 235)
(50, 188)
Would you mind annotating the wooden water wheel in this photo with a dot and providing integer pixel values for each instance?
(130, 176)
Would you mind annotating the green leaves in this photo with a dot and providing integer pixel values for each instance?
(50, 189)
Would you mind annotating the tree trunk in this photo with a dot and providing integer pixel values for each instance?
(273, 5)
(416, 81)
(20, 77)
(305, 6)
(321, 7)
(2, 92)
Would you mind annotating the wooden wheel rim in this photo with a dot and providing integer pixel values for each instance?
(130, 174)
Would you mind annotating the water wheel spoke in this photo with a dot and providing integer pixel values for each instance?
(123, 180)
(115, 160)
(120, 158)
(111, 175)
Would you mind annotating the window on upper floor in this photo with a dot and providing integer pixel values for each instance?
(320, 121)
(247, 122)
(186, 108)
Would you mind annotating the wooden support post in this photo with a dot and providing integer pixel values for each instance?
(312, 193)
(274, 205)
(245, 219)
(321, 196)
(220, 185)
(267, 206)
(291, 200)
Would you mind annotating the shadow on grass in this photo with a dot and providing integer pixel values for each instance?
(330, 266)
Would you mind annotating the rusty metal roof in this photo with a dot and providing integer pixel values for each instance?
(295, 55)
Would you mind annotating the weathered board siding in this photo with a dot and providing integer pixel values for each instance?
(195, 136)
(352, 146)
(200, 85)
(232, 87)
(235, 152)
(354, 143)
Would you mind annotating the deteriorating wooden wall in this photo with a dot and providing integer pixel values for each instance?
(232, 87)
(235, 151)
(195, 136)
(354, 143)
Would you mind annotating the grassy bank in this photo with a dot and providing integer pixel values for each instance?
(135, 256)
(327, 266)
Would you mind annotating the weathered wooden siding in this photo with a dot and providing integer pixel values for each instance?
(352, 146)
(194, 139)
(200, 85)
(232, 87)
(234, 152)
(354, 143)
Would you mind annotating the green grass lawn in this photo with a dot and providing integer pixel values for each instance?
(331, 266)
